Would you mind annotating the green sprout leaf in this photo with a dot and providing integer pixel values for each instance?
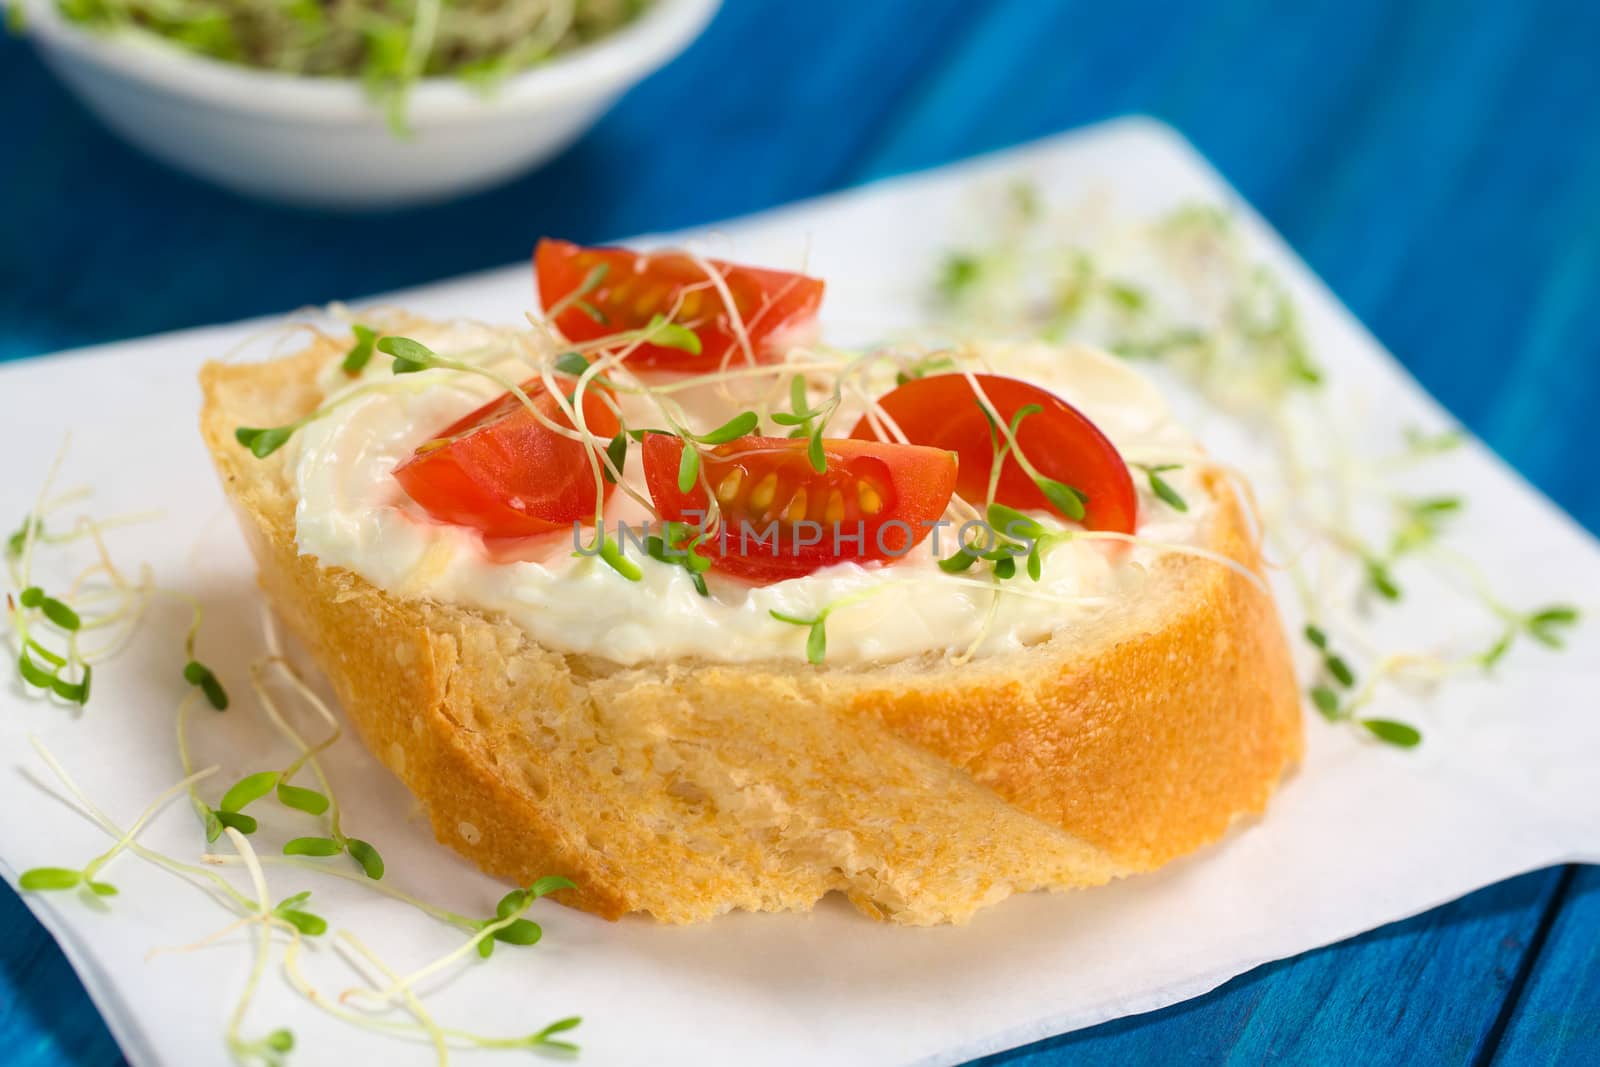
(76, 692)
(957, 563)
(1316, 636)
(101, 889)
(572, 363)
(958, 275)
(677, 549)
(1013, 523)
(307, 800)
(1394, 733)
(250, 788)
(617, 453)
(312, 846)
(264, 442)
(46, 878)
(1326, 701)
(797, 401)
(1545, 626)
(732, 430)
(520, 932)
(688, 468)
(198, 674)
(1380, 579)
(814, 452)
(1127, 296)
(19, 540)
(1421, 443)
(817, 642)
(1163, 488)
(546, 1037)
(409, 356)
(307, 923)
(364, 854)
(1064, 498)
(611, 553)
(360, 353)
(816, 637)
(59, 613)
(668, 334)
(280, 1041)
(1340, 670)
(237, 820)
(512, 903)
(550, 883)
(32, 673)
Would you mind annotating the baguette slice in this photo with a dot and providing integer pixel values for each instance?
(921, 790)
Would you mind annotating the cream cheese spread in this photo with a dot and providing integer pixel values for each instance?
(352, 514)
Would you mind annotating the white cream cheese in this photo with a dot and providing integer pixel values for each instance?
(352, 514)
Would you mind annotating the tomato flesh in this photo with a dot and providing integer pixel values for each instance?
(636, 287)
(943, 411)
(781, 518)
(502, 472)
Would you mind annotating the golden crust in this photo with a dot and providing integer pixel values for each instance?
(921, 790)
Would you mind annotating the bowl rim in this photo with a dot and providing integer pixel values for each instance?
(610, 63)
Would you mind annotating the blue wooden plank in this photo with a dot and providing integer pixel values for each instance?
(1556, 1019)
(769, 106)
(45, 1016)
(1427, 989)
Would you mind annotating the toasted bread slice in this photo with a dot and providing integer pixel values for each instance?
(922, 790)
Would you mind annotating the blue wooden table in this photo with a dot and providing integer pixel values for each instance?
(1437, 163)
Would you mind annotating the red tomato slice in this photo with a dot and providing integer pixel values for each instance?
(501, 471)
(780, 516)
(636, 287)
(1060, 442)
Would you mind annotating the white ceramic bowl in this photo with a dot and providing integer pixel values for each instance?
(321, 142)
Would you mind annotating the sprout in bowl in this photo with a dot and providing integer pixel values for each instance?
(333, 105)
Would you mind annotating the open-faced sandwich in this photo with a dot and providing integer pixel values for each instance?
(662, 595)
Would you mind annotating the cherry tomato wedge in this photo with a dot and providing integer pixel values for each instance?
(1062, 444)
(781, 518)
(501, 471)
(635, 287)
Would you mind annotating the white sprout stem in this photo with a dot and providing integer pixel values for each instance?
(1004, 428)
(105, 823)
(258, 966)
(989, 615)
(384, 888)
(423, 30)
(302, 985)
(735, 320)
(410, 999)
(403, 986)
(212, 938)
(185, 759)
(414, 1031)
(126, 838)
(308, 753)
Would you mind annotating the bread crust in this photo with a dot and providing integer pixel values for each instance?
(922, 790)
